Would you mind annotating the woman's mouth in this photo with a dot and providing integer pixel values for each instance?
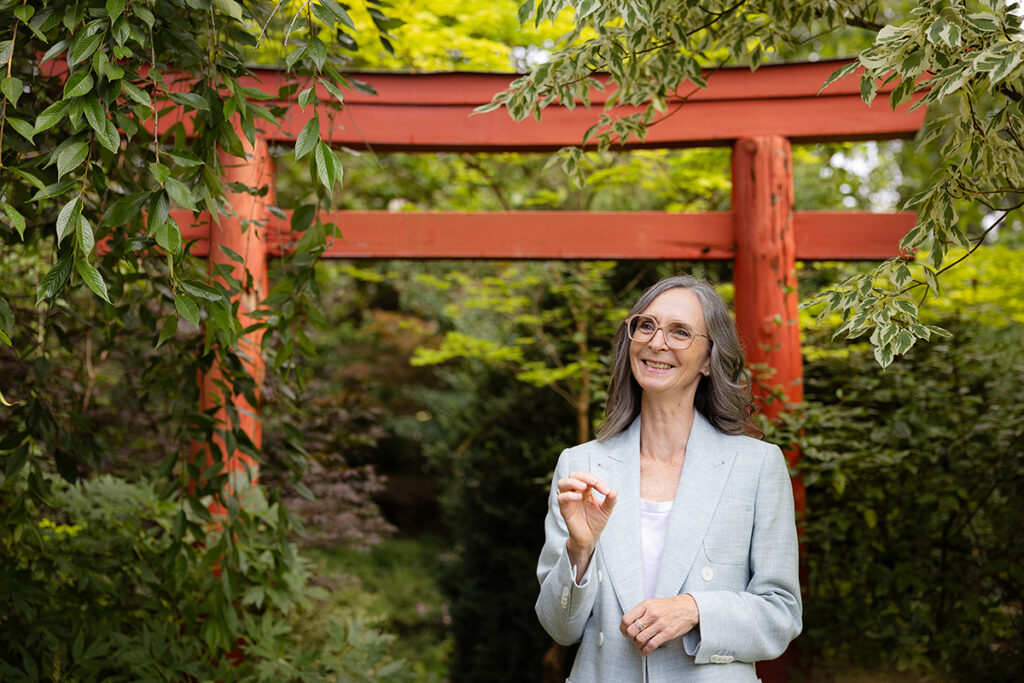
(655, 365)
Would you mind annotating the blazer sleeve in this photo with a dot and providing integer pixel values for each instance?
(759, 622)
(563, 605)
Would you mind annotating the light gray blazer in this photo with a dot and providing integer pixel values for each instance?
(731, 543)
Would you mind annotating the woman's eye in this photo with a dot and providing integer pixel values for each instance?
(680, 333)
(647, 326)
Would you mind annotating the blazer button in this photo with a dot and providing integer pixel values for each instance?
(565, 597)
(598, 576)
(600, 639)
(707, 573)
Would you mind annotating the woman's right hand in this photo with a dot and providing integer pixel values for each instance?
(584, 515)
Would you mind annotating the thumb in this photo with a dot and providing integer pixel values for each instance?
(609, 502)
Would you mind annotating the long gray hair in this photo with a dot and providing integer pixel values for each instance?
(723, 396)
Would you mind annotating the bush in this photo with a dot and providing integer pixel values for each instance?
(914, 480)
(103, 580)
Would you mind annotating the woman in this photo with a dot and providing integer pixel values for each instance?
(671, 548)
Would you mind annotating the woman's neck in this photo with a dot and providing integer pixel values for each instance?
(665, 429)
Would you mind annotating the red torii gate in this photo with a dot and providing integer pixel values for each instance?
(758, 113)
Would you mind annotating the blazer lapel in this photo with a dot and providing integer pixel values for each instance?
(620, 550)
(705, 471)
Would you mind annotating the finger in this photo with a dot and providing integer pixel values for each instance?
(630, 618)
(566, 496)
(653, 643)
(591, 480)
(572, 484)
(609, 501)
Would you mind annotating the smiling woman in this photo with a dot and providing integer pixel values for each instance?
(670, 541)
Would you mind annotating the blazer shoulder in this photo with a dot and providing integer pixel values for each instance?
(583, 455)
(751, 449)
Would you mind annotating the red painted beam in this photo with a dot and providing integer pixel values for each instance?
(849, 236)
(434, 112)
(819, 235)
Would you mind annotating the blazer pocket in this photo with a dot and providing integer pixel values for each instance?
(728, 539)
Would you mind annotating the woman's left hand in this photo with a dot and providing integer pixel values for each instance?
(659, 620)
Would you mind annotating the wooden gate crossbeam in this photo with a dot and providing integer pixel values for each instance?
(819, 235)
(434, 112)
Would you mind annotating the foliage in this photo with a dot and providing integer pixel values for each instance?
(394, 587)
(108, 580)
(113, 115)
(549, 324)
(913, 480)
(961, 59)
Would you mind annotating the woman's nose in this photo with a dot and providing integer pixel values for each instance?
(653, 341)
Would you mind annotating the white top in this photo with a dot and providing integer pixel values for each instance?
(653, 527)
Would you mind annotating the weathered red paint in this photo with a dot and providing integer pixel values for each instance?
(244, 233)
(766, 295)
(434, 112)
(819, 235)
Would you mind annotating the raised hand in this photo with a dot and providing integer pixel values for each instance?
(586, 503)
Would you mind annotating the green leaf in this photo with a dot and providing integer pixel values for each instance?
(51, 116)
(125, 209)
(317, 52)
(71, 157)
(159, 171)
(168, 329)
(83, 49)
(190, 99)
(187, 308)
(135, 93)
(230, 8)
(325, 167)
(308, 138)
(92, 278)
(68, 217)
(333, 89)
(114, 9)
(24, 12)
(6, 48)
(180, 194)
(55, 49)
(55, 280)
(53, 190)
(12, 88)
(86, 238)
(78, 84)
(168, 236)
(339, 12)
(294, 56)
(201, 291)
(525, 12)
(94, 113)
(1005, 66)
(108, 136)
(24, 128)
(306, 96)
(185, 159)
(15, 218)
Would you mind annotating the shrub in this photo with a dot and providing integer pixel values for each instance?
(914, 480)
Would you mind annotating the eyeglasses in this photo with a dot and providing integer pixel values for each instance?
(642, 328)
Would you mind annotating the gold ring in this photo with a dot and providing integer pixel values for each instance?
(639, 625)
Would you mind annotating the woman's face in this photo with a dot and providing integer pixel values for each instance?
(664, 372)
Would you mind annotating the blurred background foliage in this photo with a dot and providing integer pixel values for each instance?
(413, 435)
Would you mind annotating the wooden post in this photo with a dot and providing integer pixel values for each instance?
(766, 296)
(244, 233)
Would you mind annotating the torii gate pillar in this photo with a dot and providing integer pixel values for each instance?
(244, 233)
(766, 296)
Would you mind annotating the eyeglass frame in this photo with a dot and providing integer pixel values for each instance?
(664, 335)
